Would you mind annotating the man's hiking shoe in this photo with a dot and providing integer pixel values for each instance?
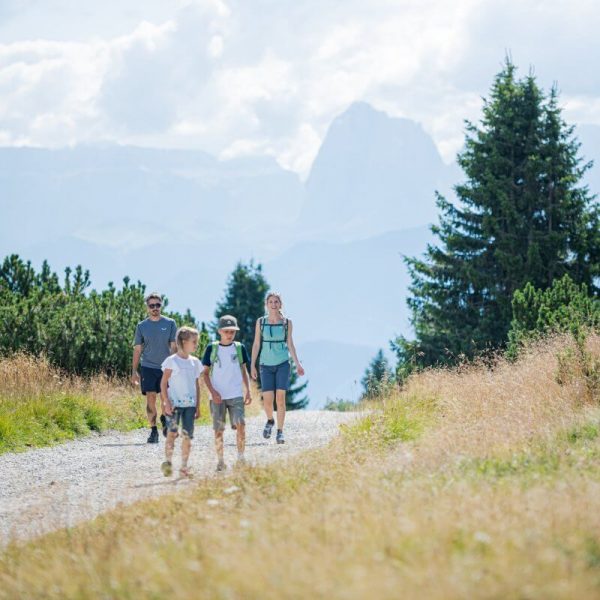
(163, 422)
(153, 437)
(167, 468)
(279, 438)
(221, 466)
(267, 429)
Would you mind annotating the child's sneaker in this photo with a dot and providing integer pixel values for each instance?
(185, 472)
(163, 422)
(279, 438)
(167, 468)
(221, 466)
(267, 429)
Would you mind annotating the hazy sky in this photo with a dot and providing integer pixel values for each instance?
(237, 77)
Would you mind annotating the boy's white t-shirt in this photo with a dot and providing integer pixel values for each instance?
(226, 375)
(182, 383)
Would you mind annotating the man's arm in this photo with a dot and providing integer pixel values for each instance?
(172, 342)
(137, 352)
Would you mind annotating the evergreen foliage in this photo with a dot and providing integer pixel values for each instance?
(295, 398)
(522, 216)
(244, 298)
(80, 330)
(563, 307)
(378, 377)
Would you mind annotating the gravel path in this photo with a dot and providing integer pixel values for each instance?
(46, 489)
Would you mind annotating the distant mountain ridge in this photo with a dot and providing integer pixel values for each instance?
(178, 220)
(373, 174)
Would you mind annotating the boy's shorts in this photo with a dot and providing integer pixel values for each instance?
(275, 377)
(184, 416)
(150, 379)
(235, 408)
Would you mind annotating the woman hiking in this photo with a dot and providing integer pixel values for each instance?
(273, 346)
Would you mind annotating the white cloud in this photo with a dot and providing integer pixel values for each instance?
(237, 77)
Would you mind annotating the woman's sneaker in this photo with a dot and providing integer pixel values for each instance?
(268, 428)
(167, 468)
(279, 438)
(221, 466)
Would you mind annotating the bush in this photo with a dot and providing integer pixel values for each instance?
(80, 330)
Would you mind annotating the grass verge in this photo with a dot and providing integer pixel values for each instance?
(473, 483)
(39, 406)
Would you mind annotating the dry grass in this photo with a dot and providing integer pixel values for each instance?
(494, 493)
(39, 405)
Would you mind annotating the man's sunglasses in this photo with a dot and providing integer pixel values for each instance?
(155, 305)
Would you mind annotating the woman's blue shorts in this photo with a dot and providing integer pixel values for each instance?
(275, 377)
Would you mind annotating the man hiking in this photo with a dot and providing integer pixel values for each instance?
(154, 341)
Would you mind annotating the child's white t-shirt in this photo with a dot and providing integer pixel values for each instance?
(182, 383)
(226, 375)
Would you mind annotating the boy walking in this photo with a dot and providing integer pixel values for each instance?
(226, 376)
(154, 341)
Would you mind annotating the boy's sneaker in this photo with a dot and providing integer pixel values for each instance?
(221, 466)
(167, 468)
(163, 422)
(267, 429)
(153, 437)
(280, 439)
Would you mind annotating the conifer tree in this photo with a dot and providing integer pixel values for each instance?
(522, 215)
(245, 299)
(563, 307)
(377, 377)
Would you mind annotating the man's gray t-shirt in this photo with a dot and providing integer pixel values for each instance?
(155, 337)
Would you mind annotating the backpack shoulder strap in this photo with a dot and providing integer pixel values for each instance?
(285, 328)
(214, 354)
(238, 351)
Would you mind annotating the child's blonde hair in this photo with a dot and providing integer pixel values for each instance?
(184, 334)
(278, 296)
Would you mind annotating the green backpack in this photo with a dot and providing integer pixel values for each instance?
(214, 354)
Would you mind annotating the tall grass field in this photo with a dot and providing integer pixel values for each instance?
(476, 482)
(40, 405)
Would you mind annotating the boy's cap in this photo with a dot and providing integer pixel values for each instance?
(228, 322)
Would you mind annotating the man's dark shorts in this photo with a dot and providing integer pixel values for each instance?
(275, 377)
(150, 379)
(185, 417)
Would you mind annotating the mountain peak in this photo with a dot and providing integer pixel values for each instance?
(372, 164)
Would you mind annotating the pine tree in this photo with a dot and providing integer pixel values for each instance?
(522, 216)
(292, 399)
(378, 377)
(245, 300)
(563, 307)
